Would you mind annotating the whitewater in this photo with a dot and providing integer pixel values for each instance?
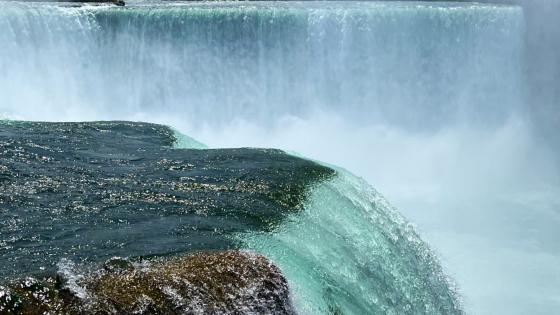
(427, 102)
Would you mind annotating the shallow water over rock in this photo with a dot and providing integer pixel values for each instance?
(90, 191)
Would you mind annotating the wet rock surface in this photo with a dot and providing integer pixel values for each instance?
(226, 282)
(91, 191)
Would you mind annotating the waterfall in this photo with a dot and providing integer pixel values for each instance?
(427, 101)
(352, 253)
(416, 66)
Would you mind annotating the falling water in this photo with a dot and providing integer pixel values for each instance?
(426, 101)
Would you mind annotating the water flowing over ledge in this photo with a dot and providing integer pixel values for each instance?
(416, 65)
(90, 191)
(439, 82)
(350, 242)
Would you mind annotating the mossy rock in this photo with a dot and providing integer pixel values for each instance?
(224, 282)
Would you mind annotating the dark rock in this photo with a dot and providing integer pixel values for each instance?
(227, 282)
(118, 265)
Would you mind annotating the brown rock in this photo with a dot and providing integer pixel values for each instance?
(226, 282)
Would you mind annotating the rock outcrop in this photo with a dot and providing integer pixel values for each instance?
(225, 282)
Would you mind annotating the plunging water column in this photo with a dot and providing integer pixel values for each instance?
(413, 65)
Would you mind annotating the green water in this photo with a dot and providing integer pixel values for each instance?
(350, 252)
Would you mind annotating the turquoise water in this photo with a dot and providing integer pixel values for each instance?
(351, 252)
(73, 195)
